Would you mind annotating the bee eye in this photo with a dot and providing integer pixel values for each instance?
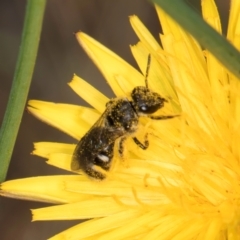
(150, 109)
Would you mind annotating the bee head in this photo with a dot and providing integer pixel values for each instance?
(146, 101)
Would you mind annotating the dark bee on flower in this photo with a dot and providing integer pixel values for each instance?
(95, 151)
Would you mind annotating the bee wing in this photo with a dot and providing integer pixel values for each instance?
(101, 122)
(95, 140)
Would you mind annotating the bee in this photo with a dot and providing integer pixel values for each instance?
(95, 151)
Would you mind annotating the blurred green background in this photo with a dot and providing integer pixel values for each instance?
(60, 56)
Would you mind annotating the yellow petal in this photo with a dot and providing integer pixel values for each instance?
(134, 228)
(96, 226)
(130, 196)
(233, 33)
(217, 73)
(210, 14)
(144, 35)
(92, 208)
(73, 120)
(60, 160)
(44, 189)
(159, 78)
(45, 149)
(58, 154)
(90, 94)
(110, 64)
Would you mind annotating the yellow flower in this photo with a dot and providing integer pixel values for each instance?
(187, 184)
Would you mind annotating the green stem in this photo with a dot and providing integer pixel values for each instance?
(188, 19)
(21, 82)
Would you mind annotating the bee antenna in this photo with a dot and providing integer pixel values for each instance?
(147, 70)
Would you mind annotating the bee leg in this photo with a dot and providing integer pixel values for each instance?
(144, 145)
(121, 147)
(161, 117)
(94, 173)
(122, 151)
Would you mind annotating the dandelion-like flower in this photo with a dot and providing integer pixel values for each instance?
(186, 184)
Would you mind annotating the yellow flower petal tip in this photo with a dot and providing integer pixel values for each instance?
(91, 95)
(121, 76)
(44, 189)
(144, 35)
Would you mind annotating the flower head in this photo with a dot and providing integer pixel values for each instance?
(186, 184)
